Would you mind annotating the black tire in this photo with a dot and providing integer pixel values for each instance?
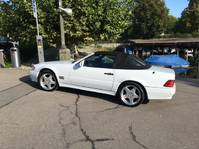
(49, 73)
(139, 91)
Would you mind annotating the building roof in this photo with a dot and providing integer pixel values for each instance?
(165, 42)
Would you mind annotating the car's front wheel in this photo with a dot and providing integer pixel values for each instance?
(131, 94)
(48, 81)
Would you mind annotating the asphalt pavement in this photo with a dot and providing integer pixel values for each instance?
(71, 119)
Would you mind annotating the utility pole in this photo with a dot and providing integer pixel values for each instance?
(64, 53)
(39, 38)
(63, 44)
(197, 60)
(198, 70)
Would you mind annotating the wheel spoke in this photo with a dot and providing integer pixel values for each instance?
(51, 80)
(131, 100)
(49, 85)
(125, 96)
(45, 77)
(127, 90)
(52, 83)
(133, 90)
(135, 95)
(50, 77)
(44, 83)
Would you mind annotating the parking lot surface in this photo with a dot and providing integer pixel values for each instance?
(71, 119)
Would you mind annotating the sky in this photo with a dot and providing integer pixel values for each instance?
(176, 6)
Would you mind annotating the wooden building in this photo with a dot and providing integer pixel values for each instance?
(185, 47)
(165, 42)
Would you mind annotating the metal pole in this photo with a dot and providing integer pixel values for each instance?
(34, 5)
(37, 25)
(38, 37)
(63, 44)
(197, 60)
(198, 70)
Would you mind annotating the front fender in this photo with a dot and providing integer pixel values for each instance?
(51, 68)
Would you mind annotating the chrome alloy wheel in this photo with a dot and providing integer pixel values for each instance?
(48, 81)
(131, 95)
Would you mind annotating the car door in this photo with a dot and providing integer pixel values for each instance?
(94, 72)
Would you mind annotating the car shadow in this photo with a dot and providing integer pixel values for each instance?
(105, 97)
(26, 80)
(109, 98)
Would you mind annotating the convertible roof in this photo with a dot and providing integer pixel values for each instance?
(123, 60)
(107, 52)
(120, 55)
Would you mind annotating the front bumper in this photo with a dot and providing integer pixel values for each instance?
(34, 76)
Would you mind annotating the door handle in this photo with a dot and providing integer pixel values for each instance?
(108, 73)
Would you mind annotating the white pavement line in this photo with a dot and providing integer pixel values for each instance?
(16, 92)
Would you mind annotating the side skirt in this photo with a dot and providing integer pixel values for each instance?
(88, 89)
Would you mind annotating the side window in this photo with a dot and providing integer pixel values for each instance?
(100, 61)
(134, 62)
(92, 61)
(107, 61)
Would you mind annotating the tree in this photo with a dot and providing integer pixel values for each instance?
(17, 21)
(189, 20)
(149, 18)
(171, 24)
(99, 20)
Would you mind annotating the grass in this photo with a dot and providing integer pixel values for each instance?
(8, 65)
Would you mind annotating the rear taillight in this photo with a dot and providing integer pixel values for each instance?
(169, 83)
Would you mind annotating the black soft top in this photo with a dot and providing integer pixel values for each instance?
(107, 52)
(125, 61)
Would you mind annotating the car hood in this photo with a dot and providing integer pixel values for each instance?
(53, 64)
(56, 62)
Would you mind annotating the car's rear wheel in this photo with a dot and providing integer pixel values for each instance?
(48, 81)
(131, 94)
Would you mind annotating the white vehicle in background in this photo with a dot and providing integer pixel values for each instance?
(112, 73)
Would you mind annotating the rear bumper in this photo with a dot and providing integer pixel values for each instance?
(155, 93)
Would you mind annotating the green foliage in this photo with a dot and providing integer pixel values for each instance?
(8, 65)
(97, 20)
(149, 18)
(189, 21)
(92, 20)
(171, 24)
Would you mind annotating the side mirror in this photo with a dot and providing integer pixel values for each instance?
(78, 65)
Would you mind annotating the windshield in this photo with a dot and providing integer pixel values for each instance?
(75, 61)
(81, 57)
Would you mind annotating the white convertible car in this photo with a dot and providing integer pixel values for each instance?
(112, 73)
